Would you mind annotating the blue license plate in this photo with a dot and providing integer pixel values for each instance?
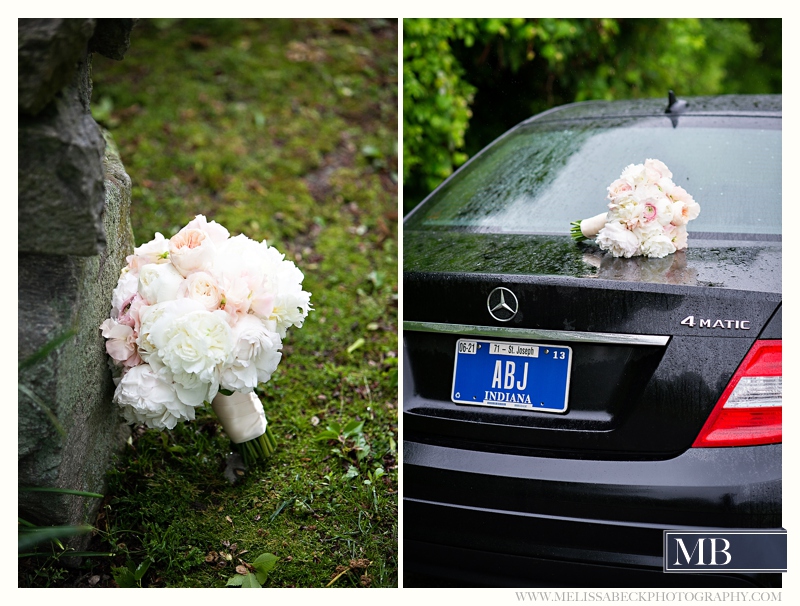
(525, 376)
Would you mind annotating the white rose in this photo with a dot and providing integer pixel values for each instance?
(159, 283)
(203, 288)
(618, 240)
(191, 250)
(255, 355)
(685, 208)
(149, 397)
(193, 344)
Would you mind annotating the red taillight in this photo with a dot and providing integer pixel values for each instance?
(749, 410)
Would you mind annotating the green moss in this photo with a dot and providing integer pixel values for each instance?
(261, 125)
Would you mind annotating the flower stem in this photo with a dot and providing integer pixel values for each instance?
(575, 231)
(258, 449)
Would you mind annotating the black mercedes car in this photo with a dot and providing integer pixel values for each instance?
(563, 407)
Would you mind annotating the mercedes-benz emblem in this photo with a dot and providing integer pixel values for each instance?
(502, 304)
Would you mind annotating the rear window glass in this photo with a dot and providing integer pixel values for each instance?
(543, 175)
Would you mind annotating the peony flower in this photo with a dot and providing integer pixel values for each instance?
(131, 315)
(123, 294)
(148, 396)
(255, 355)
(159, 283)
(121, 343)
(618, 240)
(658, 167)
(625, 210)
(634, 174)
(678, 235)
(656, 243)
(239, 270)
(193, 344)
(148, 317)
(214, 230)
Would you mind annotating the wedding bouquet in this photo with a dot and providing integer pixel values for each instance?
(647, 214)
(199, 318)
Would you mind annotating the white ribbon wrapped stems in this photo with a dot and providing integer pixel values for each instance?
(590, 227)
(241, 414)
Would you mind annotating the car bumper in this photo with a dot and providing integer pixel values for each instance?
(489, 518)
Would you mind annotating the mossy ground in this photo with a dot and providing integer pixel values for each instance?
(284, 131)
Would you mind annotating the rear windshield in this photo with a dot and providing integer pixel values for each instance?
(543, 175)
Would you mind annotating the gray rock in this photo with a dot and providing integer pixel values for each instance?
(58, 293)
(60, 174)
(112, 37)
(48, 50)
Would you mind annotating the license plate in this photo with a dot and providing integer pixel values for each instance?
(524, 376)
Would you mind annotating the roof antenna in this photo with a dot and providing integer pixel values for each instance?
(675, 106)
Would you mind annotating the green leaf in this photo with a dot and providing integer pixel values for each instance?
(353, 428)
(141, 569)
(327, 434)
(235, 581)
(123, 577)
(265, 562)
(250, 581)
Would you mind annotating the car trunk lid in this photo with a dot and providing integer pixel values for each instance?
(653, 341)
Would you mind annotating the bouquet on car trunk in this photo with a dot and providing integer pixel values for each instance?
(647, 214)
(199, 318)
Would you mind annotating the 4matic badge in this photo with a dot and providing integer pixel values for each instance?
(715, 323)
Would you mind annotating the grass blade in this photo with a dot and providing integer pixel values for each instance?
(79, 493)
(42, 353)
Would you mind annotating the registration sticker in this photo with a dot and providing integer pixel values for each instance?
(526, 376)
